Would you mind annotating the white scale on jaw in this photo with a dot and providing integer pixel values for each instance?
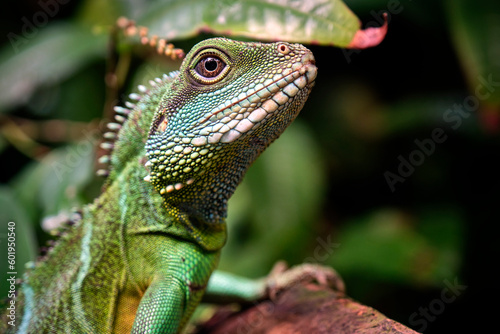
(233, 121)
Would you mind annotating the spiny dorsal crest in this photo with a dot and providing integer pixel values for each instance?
(130, 122)
(111, 136)
(130, 29)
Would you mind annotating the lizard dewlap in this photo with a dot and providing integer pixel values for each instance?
(139, 258)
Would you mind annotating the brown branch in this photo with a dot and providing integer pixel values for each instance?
(303, 309)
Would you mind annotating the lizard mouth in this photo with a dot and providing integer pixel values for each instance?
(227, 122)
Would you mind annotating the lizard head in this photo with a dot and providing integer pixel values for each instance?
(229, 101)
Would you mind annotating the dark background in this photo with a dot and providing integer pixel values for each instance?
(320, 193)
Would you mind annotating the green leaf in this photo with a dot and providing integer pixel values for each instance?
(444, 228)
(390, 245)
(475, 27)
(53, 54)
(55, 185)
(328, 22)
(381, 246)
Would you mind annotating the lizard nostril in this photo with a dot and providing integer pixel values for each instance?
(308, 58)
(283, 48)
(311, 72)
(309, 67)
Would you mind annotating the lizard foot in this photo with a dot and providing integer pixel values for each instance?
(281, 277)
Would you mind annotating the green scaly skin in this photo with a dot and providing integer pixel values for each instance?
(140, 258)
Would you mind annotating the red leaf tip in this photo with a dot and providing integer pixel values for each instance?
(366, 38)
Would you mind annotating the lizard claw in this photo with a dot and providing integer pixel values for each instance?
(281, 278)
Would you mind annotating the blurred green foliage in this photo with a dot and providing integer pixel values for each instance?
(322, 191)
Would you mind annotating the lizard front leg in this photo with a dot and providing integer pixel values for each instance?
(225, 287)
(162, 308)
(173, 276)
(282, 277)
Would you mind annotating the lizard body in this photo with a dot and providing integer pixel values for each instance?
(140, 256)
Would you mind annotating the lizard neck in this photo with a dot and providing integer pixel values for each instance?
(144, 210)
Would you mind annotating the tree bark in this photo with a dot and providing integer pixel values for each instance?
(306, 309)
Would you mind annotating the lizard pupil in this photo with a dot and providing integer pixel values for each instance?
(211, 64)
(210, 67)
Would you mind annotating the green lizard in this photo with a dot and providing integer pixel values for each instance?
(139, 258)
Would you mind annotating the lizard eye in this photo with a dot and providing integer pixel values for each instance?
(210, 69)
